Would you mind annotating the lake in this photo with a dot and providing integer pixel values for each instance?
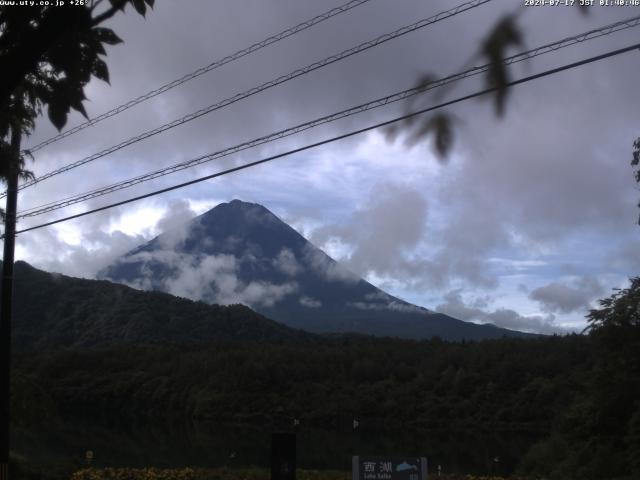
(181, 444)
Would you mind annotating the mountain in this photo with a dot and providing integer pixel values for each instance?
(240, 252)
(53, 311)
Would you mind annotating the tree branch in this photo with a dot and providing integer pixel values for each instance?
(109, 13)
(95, 4)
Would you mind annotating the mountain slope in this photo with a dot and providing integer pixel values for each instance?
(53, 311)
(240, 252)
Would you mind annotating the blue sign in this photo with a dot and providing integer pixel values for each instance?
(389, 468)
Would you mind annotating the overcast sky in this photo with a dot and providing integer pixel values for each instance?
(530, 220)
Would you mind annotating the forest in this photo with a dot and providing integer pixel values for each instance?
(579, 394)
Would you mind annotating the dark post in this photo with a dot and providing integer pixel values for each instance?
(7, 292)
(283, 456)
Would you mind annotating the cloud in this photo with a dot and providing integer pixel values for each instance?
(211, 278)
(512, 187)
(455, 306)
(379, 295)
(382, 234)
(627, 256)
(393, 240)
(562, 298)
(310, 302)
(259, 293)
(393, 305)
(287, 263)
(174, 224)
(208, 278)
(327, 267)
(141, 283)
(405, 307)
(507, 318)
(178, 212)
(94, 250)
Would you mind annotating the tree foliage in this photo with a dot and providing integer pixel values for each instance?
(619, 311)
(108, 351)
(505, 34)
(388, 384)
(47, 57)
(597, 435)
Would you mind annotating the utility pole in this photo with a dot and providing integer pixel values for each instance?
(6, 297)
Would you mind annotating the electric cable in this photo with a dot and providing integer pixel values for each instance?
(339, 137)
(255, 90)
(389, 99)
(202, 70)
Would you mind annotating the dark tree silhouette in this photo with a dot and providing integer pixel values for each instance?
(635, 164)
(622, 309)
(47, 57)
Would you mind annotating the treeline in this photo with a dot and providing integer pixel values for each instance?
(597, 435)
(506, 384)
(580, 394)
(387, 384)
(53, 311)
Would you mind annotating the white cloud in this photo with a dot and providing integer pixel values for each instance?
(287, 263)
(383, 234)
(141, 220)
(209, 278)
(393, 305)
(174, 224)
(310, 302)
(263, 293)
(328, 268)
(49, 250)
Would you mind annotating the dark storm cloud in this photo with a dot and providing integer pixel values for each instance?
(562, 298)
(178, 40)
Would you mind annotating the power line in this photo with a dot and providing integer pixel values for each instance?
(202, 70)
(544, 49)
(340, 137)
(272, 83)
